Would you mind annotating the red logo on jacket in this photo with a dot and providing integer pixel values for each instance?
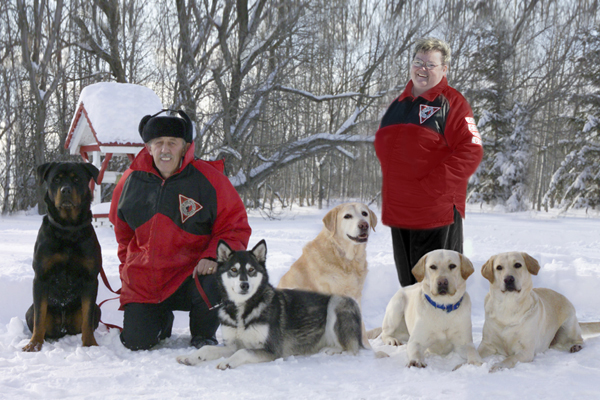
(426, 112)
(188, 207)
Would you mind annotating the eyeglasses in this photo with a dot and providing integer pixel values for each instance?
(420, 64)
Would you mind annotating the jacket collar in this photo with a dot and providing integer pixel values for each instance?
(429, 95)
(144, 162)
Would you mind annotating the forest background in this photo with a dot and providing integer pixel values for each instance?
(290, 92)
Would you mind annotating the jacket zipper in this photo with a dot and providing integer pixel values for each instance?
(153, 237)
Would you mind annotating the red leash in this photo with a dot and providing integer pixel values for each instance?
(204, 296)
(118, 293)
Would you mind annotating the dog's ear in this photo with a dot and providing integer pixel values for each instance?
(372, 219)
(488, 269)
(466, 266)
(532, 264)
(43, 170)
(260, 251)
(91, 170)
(419, 269)
(329, 220)
(223, 251)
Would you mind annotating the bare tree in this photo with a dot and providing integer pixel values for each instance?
(290, 92)
(40, 28)
(115, 32)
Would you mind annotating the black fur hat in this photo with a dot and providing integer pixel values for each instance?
(153, 126)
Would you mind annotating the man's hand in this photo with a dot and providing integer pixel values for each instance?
(205, 267)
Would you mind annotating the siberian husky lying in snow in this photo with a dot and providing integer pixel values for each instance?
(260, 323)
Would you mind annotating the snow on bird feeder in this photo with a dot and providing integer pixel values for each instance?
(106, 123)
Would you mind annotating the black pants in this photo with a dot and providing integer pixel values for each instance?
(144, 325)
(410, 245)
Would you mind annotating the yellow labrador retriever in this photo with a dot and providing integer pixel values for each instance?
(435, 313)
(335, 262)
(520, 321)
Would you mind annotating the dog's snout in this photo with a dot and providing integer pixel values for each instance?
(66, 190)
(244, 285)
(442, 285)
(363, 226)
(509, 283)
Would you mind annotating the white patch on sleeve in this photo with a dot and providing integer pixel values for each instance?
(473, 129)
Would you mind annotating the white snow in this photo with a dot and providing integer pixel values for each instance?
(115, 110)
(567, 247)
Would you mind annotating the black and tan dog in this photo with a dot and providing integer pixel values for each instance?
(66, 258)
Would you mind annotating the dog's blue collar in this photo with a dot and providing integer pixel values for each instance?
(445, 307)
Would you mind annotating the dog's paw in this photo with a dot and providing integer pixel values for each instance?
(417, 364)
(89, 342)
(225, 365)
(575, 348)
(331, 351)
(188, 360)
(476, 363)
(458, 366)
(391, 341)
(32, 347)
(497, 367)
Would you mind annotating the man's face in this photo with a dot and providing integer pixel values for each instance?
(167, 152)
(423, 77)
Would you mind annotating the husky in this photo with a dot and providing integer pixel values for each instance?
(260, 323)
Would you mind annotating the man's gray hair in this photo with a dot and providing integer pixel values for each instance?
(433, 44)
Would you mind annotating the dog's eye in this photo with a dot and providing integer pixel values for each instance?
(499, 267)
(452, 266)
(365, 214)
(347, 216)
(433, 267)
(251, 270)
(234, 270)
(517, 265)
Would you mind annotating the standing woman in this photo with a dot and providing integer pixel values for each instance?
(428, 146)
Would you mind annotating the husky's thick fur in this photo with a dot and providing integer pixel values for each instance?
(260, 323)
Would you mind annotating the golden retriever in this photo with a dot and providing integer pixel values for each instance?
(434, 314)
(335, 262)
(520, 321)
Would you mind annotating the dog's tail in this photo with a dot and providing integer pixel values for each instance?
(590, 328)
(374, 333)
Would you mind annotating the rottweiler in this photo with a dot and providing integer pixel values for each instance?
(66, 258)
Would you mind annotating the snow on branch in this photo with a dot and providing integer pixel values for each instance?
(350, 122)
(346, 153)
(316, 98)
(297, 151)
(230, 150)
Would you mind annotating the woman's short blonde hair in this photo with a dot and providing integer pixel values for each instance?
(433, 44)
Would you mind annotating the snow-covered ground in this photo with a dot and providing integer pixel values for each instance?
(567, 247)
